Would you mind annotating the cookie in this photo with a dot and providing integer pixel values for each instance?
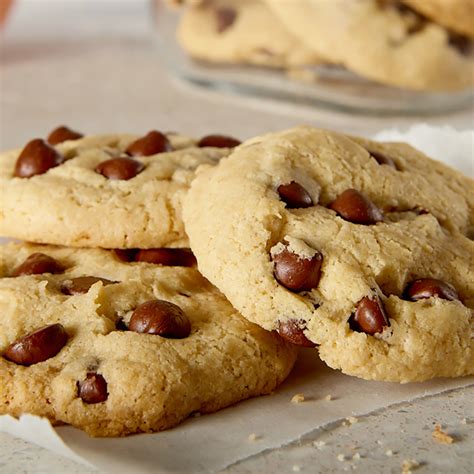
(112, 191)
(116, 347)
(359, 247)
(244, 31)
(381, 40)
(457, 15)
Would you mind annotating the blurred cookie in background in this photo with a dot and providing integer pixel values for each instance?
(457, 15)
(245, 31)
(384, 41)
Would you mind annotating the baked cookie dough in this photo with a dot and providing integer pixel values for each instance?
(362, 248)
(457, 15)
(112, 191)
(115, 347)
(381, 41)
(243, 31)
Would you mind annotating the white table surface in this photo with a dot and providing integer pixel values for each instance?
(93, 65)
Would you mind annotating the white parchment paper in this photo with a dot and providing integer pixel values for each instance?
(212, 442)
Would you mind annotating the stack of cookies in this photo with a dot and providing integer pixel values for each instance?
(412, 44)
(360, 249)
(115, 331)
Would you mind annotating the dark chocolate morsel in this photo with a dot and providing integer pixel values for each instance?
(38, 346)
(120, 168)
(93, 389)
(61, 134)
(172, 257)
(218, 141)
(297, 273)
(430, 288)
(225, 18)
(162, 318)
(357, 208)
(36, 158)
(152, 143)
(294, 195)
(36, 264)
(292, 331)
(369, 316)
(81, 285)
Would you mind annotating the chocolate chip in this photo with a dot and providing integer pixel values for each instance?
(36, 264)
(125, 255)
(37, 346)
(93, 389)
(218, 141)
(81, 285)
(382, 159)
(297, 273)
(167, 256)
(418, 25)
(369, 316)
(61, 134)
(292, 331)
(462, 44)
(120, 168)
(225, 17)
(429, 288)
(36, 158)
(173, 257)
(152, 143)
(294, 195)
(357, 208)
(161, 318)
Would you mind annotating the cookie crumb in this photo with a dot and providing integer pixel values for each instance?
(319, 444)
(328, 397)
(356, 457)
(389, 453)
(408, 465)
(352, 419)
(296, 468)
(464, 421)
(344, 423)
(379, 442)
(253, 437)
(298, 398)
(341, 457)
(442, 437)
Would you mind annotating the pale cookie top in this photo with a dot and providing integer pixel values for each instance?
(381, 40)
(324, 237)
(457, 15)
(112, 191)
(243, 31)
(115, 347)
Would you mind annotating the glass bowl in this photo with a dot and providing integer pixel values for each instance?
(321, 86)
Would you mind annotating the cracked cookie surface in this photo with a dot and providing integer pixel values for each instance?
(359, 247)
(112, 191)
(115, 347)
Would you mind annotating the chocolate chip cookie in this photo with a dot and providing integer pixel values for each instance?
(243, 31)
(382, 40)
(361, 248)
(112, 191)
(124, 342)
